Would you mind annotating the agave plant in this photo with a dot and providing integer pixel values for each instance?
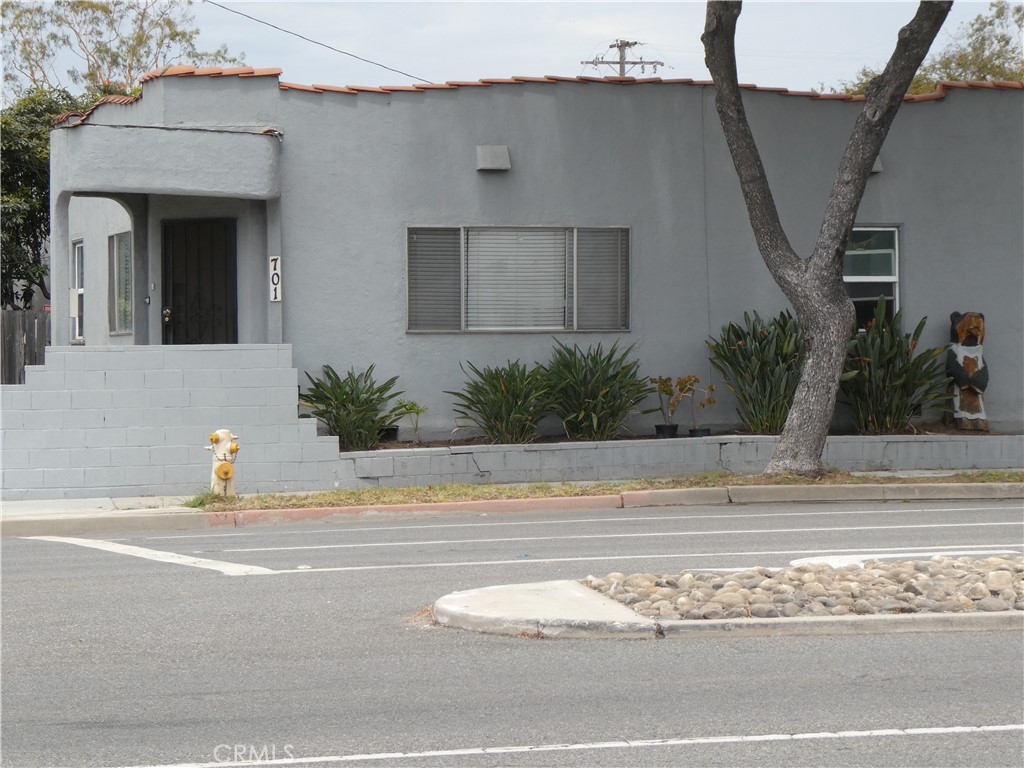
(506, 403)
(355, 408)
(884, 382)
(595, 391)
(760, 363)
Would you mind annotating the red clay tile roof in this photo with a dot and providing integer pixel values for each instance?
(112, 99)
(189, 71)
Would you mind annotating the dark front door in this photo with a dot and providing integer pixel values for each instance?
(199, 282)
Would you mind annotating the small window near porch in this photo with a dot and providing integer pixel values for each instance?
(76, 306)
(119, 248)
(870, 270)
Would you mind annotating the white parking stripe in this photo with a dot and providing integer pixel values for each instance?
(230, 569)
(574, 521)
(936, 550)
(648, 534)
(620, 744)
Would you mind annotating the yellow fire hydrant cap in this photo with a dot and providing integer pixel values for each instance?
(225, 471)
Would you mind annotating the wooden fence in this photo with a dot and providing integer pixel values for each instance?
(24, 335)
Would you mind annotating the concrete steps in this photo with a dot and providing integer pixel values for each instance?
(134, 420)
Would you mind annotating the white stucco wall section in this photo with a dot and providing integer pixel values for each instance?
(178, 160)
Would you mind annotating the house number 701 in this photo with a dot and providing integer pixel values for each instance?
(275, 278)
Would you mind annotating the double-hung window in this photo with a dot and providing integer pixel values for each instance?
(871, 269)
(518, 278)
(119, 250)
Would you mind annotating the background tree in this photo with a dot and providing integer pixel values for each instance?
(987, 48)
(116, 41)
(814, 286)
(111, 45)
(25, 199)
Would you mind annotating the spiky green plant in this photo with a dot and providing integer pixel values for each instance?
(595, 391)
(355, 408)
(884, 382)
(506, 403)
(760, 363)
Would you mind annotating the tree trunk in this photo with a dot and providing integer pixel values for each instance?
(814, 286)
(827, 317)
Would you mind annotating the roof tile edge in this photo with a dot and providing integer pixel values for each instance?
(185, 70)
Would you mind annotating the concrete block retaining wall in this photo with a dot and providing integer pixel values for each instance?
(623, 459)
(133, 421)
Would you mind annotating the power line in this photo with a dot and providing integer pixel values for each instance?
(316, 42)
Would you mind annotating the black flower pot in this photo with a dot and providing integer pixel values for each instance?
(389, 434)
(666, 430)
(701, 432)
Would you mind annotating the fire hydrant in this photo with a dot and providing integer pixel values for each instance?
(222, 476)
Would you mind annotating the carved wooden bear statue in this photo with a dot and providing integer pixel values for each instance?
(965, 363)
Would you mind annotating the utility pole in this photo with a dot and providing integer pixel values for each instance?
(623, 45)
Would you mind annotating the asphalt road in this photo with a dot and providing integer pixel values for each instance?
(112, 659)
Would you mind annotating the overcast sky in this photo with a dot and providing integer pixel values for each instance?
(795, 45)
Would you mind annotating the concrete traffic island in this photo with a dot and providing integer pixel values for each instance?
(973, 595)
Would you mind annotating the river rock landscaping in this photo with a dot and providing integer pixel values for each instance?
(940, 585)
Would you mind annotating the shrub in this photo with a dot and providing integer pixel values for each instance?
(672, 393)
(884, 383)
(760, 363)
(355, 408)
(506, 403)
(595, 391)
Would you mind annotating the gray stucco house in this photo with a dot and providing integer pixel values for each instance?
(225, 230)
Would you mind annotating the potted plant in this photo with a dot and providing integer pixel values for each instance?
(670, 395)
(687, 387)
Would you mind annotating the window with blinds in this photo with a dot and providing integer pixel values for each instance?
(435, 280)
(518, 278)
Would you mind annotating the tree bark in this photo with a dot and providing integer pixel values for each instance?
(814, 286)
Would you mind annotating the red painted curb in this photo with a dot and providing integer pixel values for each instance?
(247, 517)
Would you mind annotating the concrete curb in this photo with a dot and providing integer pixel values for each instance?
(568, 609)
(168, 519)
(178, 518)
(544, 609)
(612, 501)
(675, 497)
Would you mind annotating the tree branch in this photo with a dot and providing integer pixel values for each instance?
(720, 58)
(884, 96)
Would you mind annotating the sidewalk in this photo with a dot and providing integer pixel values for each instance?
(164, 513)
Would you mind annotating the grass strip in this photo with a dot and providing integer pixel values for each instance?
(447, 492)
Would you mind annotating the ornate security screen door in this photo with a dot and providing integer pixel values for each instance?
(199, 282)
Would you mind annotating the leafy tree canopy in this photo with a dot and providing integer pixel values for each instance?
(52, 50)
(25, 199)
(987, 48)
(94, 44)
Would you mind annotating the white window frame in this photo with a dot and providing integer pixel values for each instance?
(892, 279)
(120, 285)
(571, 324)
(76, 294)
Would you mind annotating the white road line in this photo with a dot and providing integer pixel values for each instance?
(659, 534)
(575, 521)
(938, 550)
(230, 569)
(620, 744)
